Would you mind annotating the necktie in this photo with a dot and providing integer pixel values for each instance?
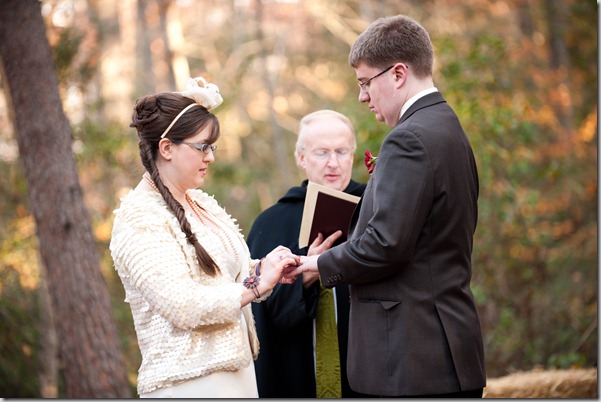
(327, 358)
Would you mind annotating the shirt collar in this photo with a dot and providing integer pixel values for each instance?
(414, 98)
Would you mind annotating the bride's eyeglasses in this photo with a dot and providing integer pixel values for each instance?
(202, 147)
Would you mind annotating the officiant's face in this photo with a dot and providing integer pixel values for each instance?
(327, 152)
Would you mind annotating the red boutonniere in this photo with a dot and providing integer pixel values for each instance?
(370, 161)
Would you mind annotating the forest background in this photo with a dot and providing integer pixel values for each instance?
(521, 75)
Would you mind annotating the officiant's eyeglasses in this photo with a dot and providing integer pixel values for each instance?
(323, 154)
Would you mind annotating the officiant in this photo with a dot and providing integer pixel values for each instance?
(303, 327)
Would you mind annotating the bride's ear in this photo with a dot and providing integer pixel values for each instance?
(166, 148)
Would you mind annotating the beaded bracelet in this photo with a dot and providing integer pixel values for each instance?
(258, 267)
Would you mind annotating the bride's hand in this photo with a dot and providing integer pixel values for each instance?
(274, 264)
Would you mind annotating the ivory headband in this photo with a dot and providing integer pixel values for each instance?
(184, 110)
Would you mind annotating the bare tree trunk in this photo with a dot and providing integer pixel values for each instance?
(163, 9)
(556, 12)
(89, 345)
(270, 79)
(524, 15)
(92, 88)
(145, 82)
(48, 352)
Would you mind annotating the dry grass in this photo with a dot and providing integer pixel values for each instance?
(576, 383)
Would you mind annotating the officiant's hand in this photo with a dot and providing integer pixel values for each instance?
(320, 245)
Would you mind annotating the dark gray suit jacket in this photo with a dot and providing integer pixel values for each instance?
(414, 328)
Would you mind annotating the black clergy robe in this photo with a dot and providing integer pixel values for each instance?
(285, 367)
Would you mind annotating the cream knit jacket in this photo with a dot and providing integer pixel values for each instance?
(188, 323)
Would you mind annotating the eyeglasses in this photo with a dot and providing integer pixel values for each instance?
(323, 154)
(364, 85)
(202, 147)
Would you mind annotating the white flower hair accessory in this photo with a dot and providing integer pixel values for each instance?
(206, 95)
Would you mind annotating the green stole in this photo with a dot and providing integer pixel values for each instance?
(327, 357)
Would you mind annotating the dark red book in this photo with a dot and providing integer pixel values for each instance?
(326, 211)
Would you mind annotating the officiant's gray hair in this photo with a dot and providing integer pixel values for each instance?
(319, 115)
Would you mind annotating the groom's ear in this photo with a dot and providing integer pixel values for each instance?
(401, 73)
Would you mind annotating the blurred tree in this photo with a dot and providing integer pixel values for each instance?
(90, 354)
(145, 79)
(556, 13)
(270, 68)
(163, 6)
(536, 236)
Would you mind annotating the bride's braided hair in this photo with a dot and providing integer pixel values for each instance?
(152, 114)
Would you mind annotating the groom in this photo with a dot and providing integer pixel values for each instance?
(414, 329)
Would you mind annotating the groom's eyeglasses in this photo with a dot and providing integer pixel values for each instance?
(364, 85)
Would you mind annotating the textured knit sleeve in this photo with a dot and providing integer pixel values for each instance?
(157, 264)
